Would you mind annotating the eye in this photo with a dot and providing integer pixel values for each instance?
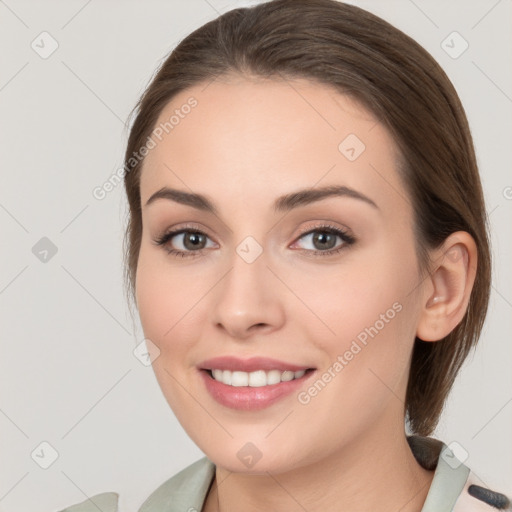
(188, 240)
(191, 241)
(323, 240)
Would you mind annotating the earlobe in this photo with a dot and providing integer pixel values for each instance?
(448, 287)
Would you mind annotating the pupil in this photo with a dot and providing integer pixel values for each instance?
(322, 238)
(194, 239)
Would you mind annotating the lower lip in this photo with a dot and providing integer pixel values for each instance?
(247, 398)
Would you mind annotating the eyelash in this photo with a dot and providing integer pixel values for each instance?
(324, 228)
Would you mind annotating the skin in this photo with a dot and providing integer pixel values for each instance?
(247, 142)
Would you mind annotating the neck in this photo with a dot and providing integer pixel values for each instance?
(375, 472)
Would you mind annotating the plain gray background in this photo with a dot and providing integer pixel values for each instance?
(68, 374)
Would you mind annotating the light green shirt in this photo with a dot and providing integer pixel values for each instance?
(454, 487)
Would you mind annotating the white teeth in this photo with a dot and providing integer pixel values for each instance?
(287, 375)
(273, 377)
(239, 379)
(255, 379)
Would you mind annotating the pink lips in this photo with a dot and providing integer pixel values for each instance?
(245, 397)
(248, 365)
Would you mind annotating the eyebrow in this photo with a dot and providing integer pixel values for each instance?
(281, 204)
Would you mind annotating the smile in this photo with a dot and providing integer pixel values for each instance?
(252, 384)
(256, 379)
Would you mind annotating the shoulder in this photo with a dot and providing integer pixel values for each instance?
(454, 488)
(184, 491)
(106, 502)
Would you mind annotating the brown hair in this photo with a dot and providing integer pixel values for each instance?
(398, 81)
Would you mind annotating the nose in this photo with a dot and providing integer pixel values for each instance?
(248, 300)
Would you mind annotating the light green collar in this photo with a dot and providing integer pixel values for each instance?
(186, 491)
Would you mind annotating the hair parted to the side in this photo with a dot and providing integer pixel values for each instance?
(361, 55)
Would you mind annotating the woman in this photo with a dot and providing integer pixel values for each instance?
(308, 252)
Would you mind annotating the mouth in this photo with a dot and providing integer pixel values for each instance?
(255, 379)
(252, 384)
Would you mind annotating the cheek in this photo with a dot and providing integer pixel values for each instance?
(168, 309)
(167, 299)
(354, 298)
(371, 316)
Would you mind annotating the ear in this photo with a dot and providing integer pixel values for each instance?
(447, 288)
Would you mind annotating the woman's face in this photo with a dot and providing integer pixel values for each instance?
(279, 276)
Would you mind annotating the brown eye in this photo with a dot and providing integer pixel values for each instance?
(183, 242)
(193, 241)
(323, 240)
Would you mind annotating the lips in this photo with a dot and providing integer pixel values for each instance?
(249, 365)
(251, 384)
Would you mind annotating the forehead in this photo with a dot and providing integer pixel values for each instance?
(263, 138)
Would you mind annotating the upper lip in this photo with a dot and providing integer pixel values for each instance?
(249, 365)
